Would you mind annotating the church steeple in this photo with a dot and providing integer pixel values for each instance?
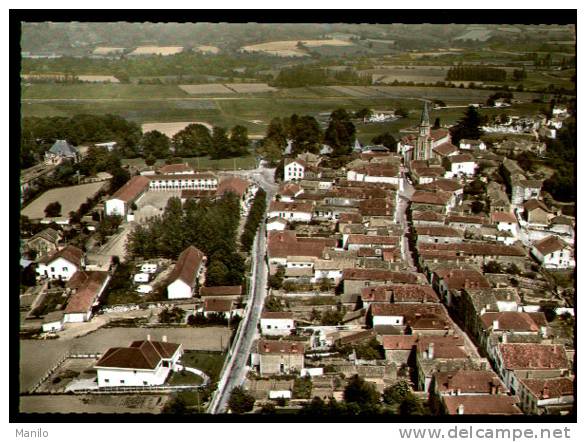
(424, 126)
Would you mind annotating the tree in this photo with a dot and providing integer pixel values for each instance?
(53, 209)
(239, 140)
(436, 123)
(402, 112)
(396, 393)
(411, 406)
(492, 267)
(468, 126)
(176, 405)
(305, 132)
(387, 140)
(325, 285)
(361, 392)
(220, 143)
(150, 160)
(156, 144)
(171, 315)
(341, 133)
(273, 304)
(193, 140)
(216, 274)
(28, 275)
(477, 207)
(240, 401)
(363, 113)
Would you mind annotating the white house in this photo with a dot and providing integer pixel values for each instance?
(505, 221)
(553, 253)
(300, 212)
(183, 181)
(187, 274)
(276, 223)
(376, 173)
(110, 145)
(468, 144)
(143, 363)
(462, 164)
(294, 169)
(120, 202)
(276, 323)
(62, 264)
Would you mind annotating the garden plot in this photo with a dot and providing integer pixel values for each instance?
(206, 89)
(99, 403)
(247, 88)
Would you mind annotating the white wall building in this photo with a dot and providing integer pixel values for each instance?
(294, 170)
(187, 274)
(553, 253)
(276, 323)
(62, 264)
(143, 363)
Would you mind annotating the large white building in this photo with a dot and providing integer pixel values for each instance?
(62, 264)
(553, 253)
(301, 212)
(294, 170)
(120, 202)
(189, 271)
(276, 323)
(143, 363)
(181, 181)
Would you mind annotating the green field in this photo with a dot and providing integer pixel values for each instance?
(101, 91)
(210, 362)
(203, 163)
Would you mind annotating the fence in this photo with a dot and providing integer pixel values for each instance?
(139, 389)
(48, 373)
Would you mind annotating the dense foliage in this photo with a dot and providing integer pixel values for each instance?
(561, 154)
(340, 133)
(255, 217)
(240, 401)
(208, 225)
(475, 73)
(468, 126)
(300, 76)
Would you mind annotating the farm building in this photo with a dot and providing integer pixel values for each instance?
(120, 202)
(87, 288)
(62, 265)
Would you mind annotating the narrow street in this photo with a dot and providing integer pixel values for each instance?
(238, 356)
(401, 217)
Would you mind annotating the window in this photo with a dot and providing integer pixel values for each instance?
(144, 383)
(65, 269)
(107, 380)
(52, 269)
(122, 381)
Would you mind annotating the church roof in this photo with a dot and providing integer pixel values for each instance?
(425, 115)
(63, 148)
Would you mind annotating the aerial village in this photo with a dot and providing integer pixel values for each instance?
(415, 273)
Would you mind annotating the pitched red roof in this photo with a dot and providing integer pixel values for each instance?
(457, 279)
(71, 253)
(443, 184)
(380, 275)
(461, 158)
(442, 231)
(468, 382)
(87, 292)
(482, 404)
(515, 321)
(354, 218)
(433, 198)
(187, 265)
(445, 149)
(427, 215)
(465, 219)
(549, 388)
(503, 217)
(374, 239)
(132, 189)
(289, 347)
(139, 355)
(533, 204)
(533, 356)
(549, 245)
(232, 184)
(290, 189)
(276, 315)
(474, 249)
(282, 244)
(218, 305)
(281, 206)
(407, 342)
(399, 293)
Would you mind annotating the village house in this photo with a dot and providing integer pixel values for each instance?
(498, 198)
(399, 294)
(447, 280)
(517, 361)
(563, 226)
(462, 164)
(465, 221)
(294, 169)
(468, 144)
(553, 253)
(282, 244)
(523, 190)
(445, 150)
(423, 319)
(356, 242)
(232, 292)
(467, 383)
(61, 150)
(288, 192)
(536, 213)
(62, 264)
(219, 307)
(276, 323)
(143, 363)
(441, 202)
(278, 357)
(401, 349)
(189, 273)
(438, 235)
(45, 242)
(476, 252)
(428, 218)
(331, 269)
(446, 185)
(356, 279)
(295, 211)
(195, 181)
(243, 189)
(276, 223)
(86, 289)
(505, 222)
(121, 201)
(546, 396)
(376, 173)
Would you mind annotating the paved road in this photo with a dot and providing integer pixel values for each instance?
(238, 356)
(401, 217)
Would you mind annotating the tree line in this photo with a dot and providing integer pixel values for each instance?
(475, 73)
(255, 217)
(209, 225)
(300, 76)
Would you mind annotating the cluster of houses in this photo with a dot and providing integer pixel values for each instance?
(473, 341)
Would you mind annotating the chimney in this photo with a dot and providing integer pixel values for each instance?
(148, 337)
(543, 331)
(461, 409)
(164, 338)
(545, 392)
(495, 324)
(430, 348)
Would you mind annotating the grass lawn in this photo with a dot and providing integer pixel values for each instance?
(209, 362)
(122, 297)
(184, 378)
(101, 91)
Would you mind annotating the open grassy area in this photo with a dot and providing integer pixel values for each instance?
(203, 163)
(210, 362)
(101, 91)
(184, 377)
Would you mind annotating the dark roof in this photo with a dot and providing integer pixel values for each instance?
(233, 184)
(276, 315)
(533, 356)
(62, 147)
(482, 404)
(139, 355)
(221, 290)
(218, 305)
(445, 149)
(85, 296)
(187, 265)
(48, 234)
(549, 388)
(549, 245)
(290, 347)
